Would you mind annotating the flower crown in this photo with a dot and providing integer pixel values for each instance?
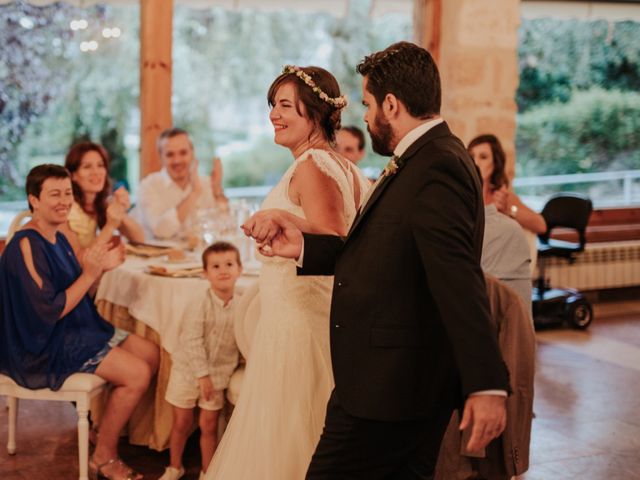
(337, 102)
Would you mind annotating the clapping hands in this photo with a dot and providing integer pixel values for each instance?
(118, 206)
(102, 257)
(502, 198)
(121, 196)
(216, 175)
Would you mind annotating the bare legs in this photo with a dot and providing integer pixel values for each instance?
(208, 436)
(129, 368)
(182, 422)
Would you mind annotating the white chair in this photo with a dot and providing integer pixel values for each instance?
(245, 322)
(79, 388)
(17, 222)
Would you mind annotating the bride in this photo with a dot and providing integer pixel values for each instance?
(279, 417)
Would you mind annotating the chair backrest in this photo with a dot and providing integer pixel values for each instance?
(17, 222)
(567, 210)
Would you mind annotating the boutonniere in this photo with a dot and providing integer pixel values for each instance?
(392, 167)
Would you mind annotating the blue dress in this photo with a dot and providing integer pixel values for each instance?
(39, 349)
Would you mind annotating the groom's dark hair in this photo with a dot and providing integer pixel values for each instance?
(408, 72)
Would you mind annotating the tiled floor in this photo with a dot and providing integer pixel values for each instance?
(587, 407)
(587, 399)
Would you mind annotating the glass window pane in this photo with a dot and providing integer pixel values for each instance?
(66, 73)
(579, 109)
(225, 60)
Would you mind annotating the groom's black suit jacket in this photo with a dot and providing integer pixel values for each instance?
(410, 327)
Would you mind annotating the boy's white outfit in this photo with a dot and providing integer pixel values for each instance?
(207, 347)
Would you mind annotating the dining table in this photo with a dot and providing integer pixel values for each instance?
(149, 296)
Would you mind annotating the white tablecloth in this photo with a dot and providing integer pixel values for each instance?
(159, 302)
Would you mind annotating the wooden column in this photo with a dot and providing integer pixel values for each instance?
(156, 32)
(427, 16)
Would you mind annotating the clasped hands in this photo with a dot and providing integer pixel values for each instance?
(275, 234)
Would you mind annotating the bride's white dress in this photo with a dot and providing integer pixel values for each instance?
(280, 414)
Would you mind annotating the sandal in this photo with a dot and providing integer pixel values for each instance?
(124, 472)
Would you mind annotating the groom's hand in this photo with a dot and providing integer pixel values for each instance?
(287, 244)
(487, 416)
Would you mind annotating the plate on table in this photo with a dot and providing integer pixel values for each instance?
(184, 272)
(146, 249)
(186, 260)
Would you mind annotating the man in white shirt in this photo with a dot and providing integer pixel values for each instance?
(168, 198)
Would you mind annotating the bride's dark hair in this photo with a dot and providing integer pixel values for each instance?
(320, 112)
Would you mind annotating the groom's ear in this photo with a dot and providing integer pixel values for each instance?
(390, 106)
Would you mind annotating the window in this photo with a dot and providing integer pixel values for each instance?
(579, 108)
(224, 62)
(66, 73)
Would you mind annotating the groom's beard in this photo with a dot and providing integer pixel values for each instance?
(381, 136)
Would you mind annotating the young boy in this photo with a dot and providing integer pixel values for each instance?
(205, 359)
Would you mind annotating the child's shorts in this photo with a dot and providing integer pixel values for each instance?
(183, 391)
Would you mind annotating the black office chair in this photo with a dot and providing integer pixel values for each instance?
(553, 305)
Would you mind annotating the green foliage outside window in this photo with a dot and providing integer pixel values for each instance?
(52, 93)
(596, 130)
(578, 98)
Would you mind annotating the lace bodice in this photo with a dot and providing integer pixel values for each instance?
(346, 175)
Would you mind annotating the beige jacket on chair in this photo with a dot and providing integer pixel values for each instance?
(508, 455)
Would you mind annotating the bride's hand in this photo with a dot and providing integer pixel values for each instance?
(263, 226)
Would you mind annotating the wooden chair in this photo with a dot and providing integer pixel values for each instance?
(79, 388)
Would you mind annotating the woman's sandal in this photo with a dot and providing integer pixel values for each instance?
(96, 471)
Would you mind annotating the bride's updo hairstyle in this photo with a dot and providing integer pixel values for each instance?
(322, 104)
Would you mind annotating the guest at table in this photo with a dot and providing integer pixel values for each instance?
(489, 156)
(49, 327)
(93, 210)
(167, 199)
(350, 143)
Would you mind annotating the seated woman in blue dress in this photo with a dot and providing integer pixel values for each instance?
(49, 327)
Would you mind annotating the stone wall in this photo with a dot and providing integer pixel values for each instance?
(477, 58)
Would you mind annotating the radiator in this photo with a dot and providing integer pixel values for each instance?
(601, 265)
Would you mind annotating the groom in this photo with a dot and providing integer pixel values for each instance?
(410, 332)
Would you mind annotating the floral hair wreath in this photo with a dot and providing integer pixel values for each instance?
(337, 102)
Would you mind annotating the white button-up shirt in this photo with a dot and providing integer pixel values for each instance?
(158, 199)
(207, 341)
